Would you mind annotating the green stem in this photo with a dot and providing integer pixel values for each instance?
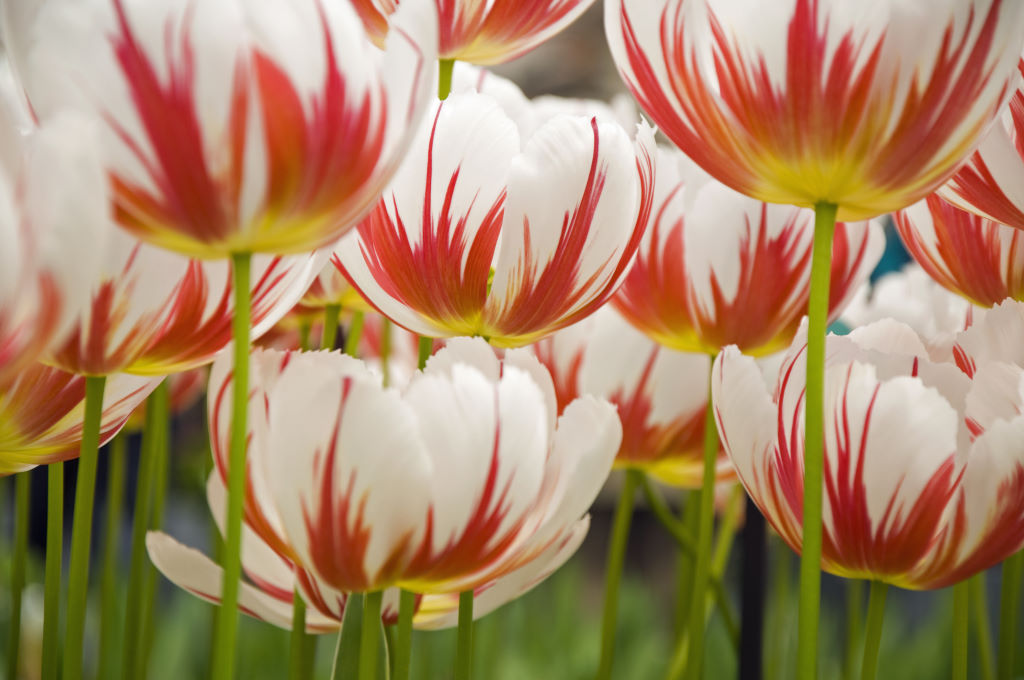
(719, 562)
(355, 332)
(346, 654)
(296, 661)
(667, 518)
(961, 620)
(982, 629)
(385, 351)
(426, 346)
(161, 406)
(109, 584)
(227, 619)
(332, 313)
(445, 67)
(464, 649)
(138, 564)
(613, 575)
(22, 507)
(403, 636)
(873, 632)
(854, 625)
(81, 527)
(369, 642)
(54, 558)
(1009, 600)
(684, 584)
(814, 441)
(305, 328)
(705, 532)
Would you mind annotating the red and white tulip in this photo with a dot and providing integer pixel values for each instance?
(483, 31)
(482, 233)
(924, 465)
(483, 477)
(717, 268)
(661, 394)
(821, 101)
(234, 126)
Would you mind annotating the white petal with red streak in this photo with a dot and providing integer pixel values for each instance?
(546, 184)
(378, 450)
(996, 337)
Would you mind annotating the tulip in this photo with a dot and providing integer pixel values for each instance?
(988, 184)
(718, 268)
(970, 255)
(52, 228)
(42, 414)
(912, 297)
(242, 127)
(661, 394)
(475, 237)
(481, 31)
(272, 579)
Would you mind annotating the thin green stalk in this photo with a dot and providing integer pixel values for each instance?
(369, 643)
(961, 621)
(346, 654)
(54, 559)
(81, 527)
(613, 575)
(464, 648)
(385, 350)
(227, 619)
(403, 636)
(109, 583)
(332, 313)
(982, 629)
(161, 448)
(22, 507)
(684, 584)
(702, 567)
(445, 67)
(1009, 601)
(873, 632)
(814, 441)
(854, 626)
(138, 563)
(355, 332)
(305, 329)
(719, 562)
(297, 658)
(426, 346)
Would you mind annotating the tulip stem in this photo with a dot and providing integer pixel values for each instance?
(354, 334)
(305, 329)
(161, 406)
(426, 346)
(752, 594)
(613, 574)
(961, 606)
(81, 527)
(22, 507)
(982, 630)
(403, 636)
(705, 531)
(227, 619)
(814, 441)
(138, 565)
(109, 584)
(464, 649)
(445, 67)
(854, 625)
(873, 632)
(369, 642)
(332, 315)
(297, 653)
(54, 559)
(1009, 600)
(385, 351)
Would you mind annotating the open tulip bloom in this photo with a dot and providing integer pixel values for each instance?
(232, 126)
(717, 268)
(482, 233)
(924, 467)
(970, 255)
(483, 31)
